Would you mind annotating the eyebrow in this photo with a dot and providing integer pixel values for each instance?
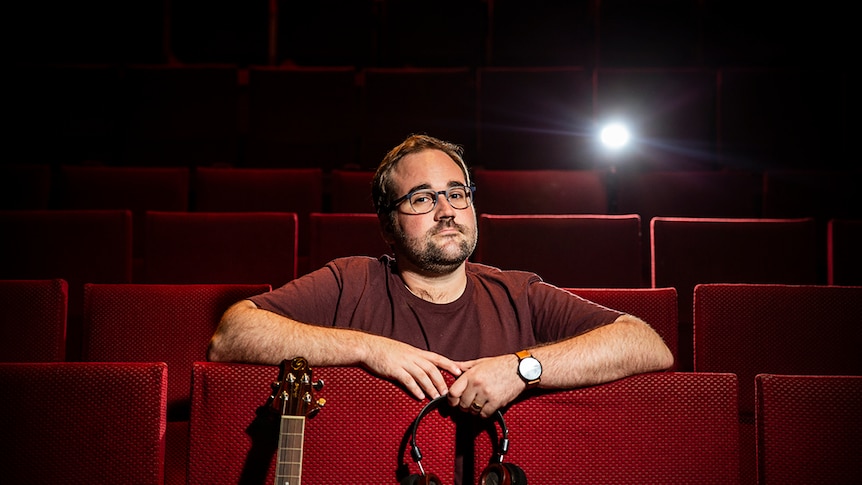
(452, 183)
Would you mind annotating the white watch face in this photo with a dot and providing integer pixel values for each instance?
(530, 368)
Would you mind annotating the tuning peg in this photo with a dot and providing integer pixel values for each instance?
(318, 385)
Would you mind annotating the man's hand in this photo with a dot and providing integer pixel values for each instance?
(419, 371)
(487, 384)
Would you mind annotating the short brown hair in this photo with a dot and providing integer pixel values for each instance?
(381, 187)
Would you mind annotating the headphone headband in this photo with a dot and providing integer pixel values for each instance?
(435, 403)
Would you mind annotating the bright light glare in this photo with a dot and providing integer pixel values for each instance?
(615, 135)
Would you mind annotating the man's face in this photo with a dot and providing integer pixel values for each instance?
(441, 240)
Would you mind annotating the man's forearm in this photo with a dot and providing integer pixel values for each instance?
(249, 334)
(620, 349)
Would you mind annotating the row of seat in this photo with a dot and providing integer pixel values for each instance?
(699, 193)
(108, 425)
(740, 329)
(528, 118)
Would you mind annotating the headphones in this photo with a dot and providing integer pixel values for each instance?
(496, 473)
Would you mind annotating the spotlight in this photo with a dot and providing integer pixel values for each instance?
(615, 136)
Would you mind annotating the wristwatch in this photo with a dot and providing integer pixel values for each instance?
(529, 368)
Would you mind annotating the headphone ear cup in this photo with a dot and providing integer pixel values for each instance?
(410, 480)
(495, 474)
(517, 475)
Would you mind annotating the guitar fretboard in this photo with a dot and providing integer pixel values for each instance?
(288, 469)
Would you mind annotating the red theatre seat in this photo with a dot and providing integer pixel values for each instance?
(601, 251)
(783, 329)
(656, 306)
(79, 246)
(809, 429)
(350, 191)
(33, 320)
(73, 422)
(689, 251)
(159, 323)
(649, 428)
(360, 435)
(220, 247)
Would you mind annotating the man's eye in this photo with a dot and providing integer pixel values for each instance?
(421, 198)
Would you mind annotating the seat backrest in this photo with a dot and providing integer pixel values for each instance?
(599, 251)
(158, 323)
(220, 247)
(809, 429)
(338, 235)
(689, 251)
(541, 191)
(33, 320)
(656, 306)
(73, 422)
(137, 189)
(843, 259)
(648, 428)
(79, 246)
(781, 329)
(234, 435)
(298, 190)
(350, 191)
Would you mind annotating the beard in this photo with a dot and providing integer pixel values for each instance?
(435, 257)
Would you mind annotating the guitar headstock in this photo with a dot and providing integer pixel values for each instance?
(293, 393)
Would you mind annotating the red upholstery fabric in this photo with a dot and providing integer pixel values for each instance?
(220, 247)
(33, 320)
(809, 429)
(689, 251)
(167, 323)
(338, 235)
(79, 246)
(656, 306)
(83, 423)
(844, 259)
(541, 191)
(650, 428)
(350, 191)
(751, 329)
(780, 329)
(601, 251)
(164, 323)
(360, 436)
(261, 190)
(520, 129)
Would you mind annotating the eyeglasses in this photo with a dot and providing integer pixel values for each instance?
(423, 201)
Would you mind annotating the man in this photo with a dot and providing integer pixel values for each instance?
(429, 311)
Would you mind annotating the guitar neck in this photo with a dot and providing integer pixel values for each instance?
(288, 469)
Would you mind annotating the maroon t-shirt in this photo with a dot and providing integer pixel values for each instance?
(500, 312)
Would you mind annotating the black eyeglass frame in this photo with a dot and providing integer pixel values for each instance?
(437, 193)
